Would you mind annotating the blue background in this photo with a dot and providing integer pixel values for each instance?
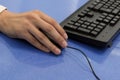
(21, 61)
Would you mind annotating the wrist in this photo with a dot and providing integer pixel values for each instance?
(3, 14)
(2, 8)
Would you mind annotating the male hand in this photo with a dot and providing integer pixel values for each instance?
(35, 27)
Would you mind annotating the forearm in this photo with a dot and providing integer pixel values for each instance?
(3, 12)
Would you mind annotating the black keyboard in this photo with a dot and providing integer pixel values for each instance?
(97, 22)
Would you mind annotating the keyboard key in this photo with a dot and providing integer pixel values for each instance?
(100, 19)
(87, 23)
(87, 10)
(90, 28)
(71, 23)
(91, 6)
(117, 17)
(83, 30)
(72, 27)
(106, 20)
(112, 23)
(97, 29)
(102, 24)
(100, 27)
(115, 11)
(93, 25)
(97, 7)
(81, 22)
(84, 26)
(81, 15)
(77, 24)
(94, 33)
(90, 14)
(75, 19)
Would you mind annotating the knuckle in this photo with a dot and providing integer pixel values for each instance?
(22, 34)
(49, 29)
(60, 39)
(26, 24)
(25, 21)
(53, 48)
(53, 21)
(36, 11)
(41, 37)
(28, 38)
(33, 41)
(32, 15)
(20, 31)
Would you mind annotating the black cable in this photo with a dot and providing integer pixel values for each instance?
(87, 61)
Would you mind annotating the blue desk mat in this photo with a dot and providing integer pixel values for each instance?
(21, 61)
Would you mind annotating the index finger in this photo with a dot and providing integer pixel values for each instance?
(51, 21)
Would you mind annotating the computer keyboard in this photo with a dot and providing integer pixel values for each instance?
(97, 22)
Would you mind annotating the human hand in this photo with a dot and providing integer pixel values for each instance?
(34, 27)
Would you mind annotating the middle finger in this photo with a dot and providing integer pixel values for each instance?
(51, 31)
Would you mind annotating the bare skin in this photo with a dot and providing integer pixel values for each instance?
(35, 27)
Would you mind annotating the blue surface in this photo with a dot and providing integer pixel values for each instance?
(21, 61)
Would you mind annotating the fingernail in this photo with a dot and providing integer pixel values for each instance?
(66, 36)
(64, 44)
(57, 51)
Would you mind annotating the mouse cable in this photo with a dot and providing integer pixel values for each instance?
(87, 61)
